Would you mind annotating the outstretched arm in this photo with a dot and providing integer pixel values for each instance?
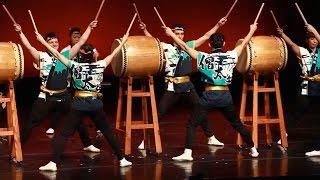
(193, 53)
(34, 52)
(239, 48)
(310, 28)
(144, 29)
(56, 53)
(75, 49)
(295, 48)
(109, 58)
(207, 35)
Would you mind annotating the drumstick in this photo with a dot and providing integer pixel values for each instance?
(235, 2)
(274, 19)
(9, 14)
(134, 17)
(256, 20)
(136, 9)
(303, 18)
(33, 23)
(98, 13)
(163, 24)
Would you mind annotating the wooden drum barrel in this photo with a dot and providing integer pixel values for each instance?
(140, 56)
(11, 61)
(263, 54)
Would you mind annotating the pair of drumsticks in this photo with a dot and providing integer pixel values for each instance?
(300, 12)
(14, 22)
(36, 29)
(160, 18)
(233, 5)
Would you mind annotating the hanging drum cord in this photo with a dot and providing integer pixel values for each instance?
(51, 70)
(3, 105)
(180, 63)
(311, 75)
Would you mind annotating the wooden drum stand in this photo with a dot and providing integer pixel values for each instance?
(12, 129)
(254, 119)
(126, 89)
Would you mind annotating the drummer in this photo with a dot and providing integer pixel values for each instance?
(74, 38)
(87, 77)
(53, 95)
(216, 70)
(178, 69)
(309, 60)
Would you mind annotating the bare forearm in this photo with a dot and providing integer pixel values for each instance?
(109, 58)
(317, 35)
(311, 29)
(291, 44)
(117, 50)
(31, 49)
(85, 35)
(25, 41)
(247, 38)
(75, 49)
(180, 43)
(193, 53)
(287, 40)
(146, 33)
(212, 31)
(206, 36)
(245, 41)
(55, 52)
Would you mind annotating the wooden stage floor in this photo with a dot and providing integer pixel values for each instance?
(210, 162)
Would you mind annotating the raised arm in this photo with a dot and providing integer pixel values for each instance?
(207, 35)
(193, 53)
(239, 48)
(109, 58)
(295, 48)
(34, 52)
(310, 28)
(56, 53)
(75, 49)
(144, 29)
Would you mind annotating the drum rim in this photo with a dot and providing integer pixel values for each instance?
(21, 56)
(284, 45)
(114, 63)
(249, 49)
(248, 59)
(161, 55)
(124, 60)
(18, 60)
(125, 68)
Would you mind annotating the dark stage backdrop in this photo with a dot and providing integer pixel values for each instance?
(198, 17)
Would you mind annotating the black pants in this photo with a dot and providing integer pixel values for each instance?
(54, 119)
(220, 100)
(74, 118)
(302, 106)
(170, 98)
(41, 109)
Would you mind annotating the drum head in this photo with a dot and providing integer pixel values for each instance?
(263, 54)
(11, 61)
(140, 56)
(117, 61)
(19, 71)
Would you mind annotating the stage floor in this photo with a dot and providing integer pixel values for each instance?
(210, 162)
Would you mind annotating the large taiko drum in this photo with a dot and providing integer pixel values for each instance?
(140, 56)
(11, 61)
(263, 54)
